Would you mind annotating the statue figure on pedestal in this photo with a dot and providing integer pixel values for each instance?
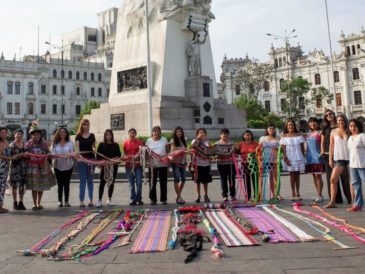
(193, 53)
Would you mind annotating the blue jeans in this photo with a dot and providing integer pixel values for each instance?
(86, 176)
(135, 181)
(179, 173)
(357, 177)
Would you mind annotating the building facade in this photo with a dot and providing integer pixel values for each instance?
(345, 83)
(43, 91)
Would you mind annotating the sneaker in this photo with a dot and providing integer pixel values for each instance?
(109, 202)
(82, 204)
(140, 203)
(67, 204)
(314, 199)
(354, 209)
(99, 204)
(15, 205)
(133, 203)
(3, 210)
(60, 204)
(225, 200)
(319, 199)
(21, 206)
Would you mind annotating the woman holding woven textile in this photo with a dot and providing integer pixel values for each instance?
(108, 149)
(63, 167)
(85, 145)
(294, 159)
(227, 171)
(339, 156)
(39, 173)
(178, 165)
(314, 159)
(202, 169)
(356, 146)
(133, 167)
(269, 157)
(159, 147)
(329, 124)
(246, 147)
(18, 170)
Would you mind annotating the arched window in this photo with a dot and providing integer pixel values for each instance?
(85, 75)
(355, 74)
(207, 120)
(54, 73)
(99, 77)
(69, 74)
(336, 76)
(348, 51)
(77, 75)
(92, 76)
(276, 62)
(62, 74)
(30, 109)
(280, 62)
(353, 50)
(266, 86)
(238, 89)
(281, 83)
(317, 79)
(78, 91)
(284, 61)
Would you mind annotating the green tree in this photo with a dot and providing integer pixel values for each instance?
(85, 111)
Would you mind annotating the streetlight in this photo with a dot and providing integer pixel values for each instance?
(286, 38)
(62, 50)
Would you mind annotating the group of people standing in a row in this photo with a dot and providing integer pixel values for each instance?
(328, 149)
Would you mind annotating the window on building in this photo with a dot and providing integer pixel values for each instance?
(54, 73)
(69, 74)
(9, 108)
(92, 76)
(266, 86)
(30, 109)
(357, 97)
(63, 109)
(30, 88)
(283, 104)
(54, 90)
(267, 106)
(10, 87)
(92, 92)
(91, 38)
(251, 88)
(319, 101)
(43, 89)
(207, 120)
(276, 63)
(220, 121)
(43, 108)
(54, 109)
(100, 92)
(85, 76)
(353, 50)
(78, 91)
(17, 108)
(338, 99)
(17, 87)
(99, 77)
(281, 83)
(77, 75)
(336, 76)
(63, 74)
(206, 90)
(280, 62)
(78, 110)
(348, 51)
(358, 48)
(62, 90)
(301, 103)
(238, 89)
(355, 74)
(317, 79)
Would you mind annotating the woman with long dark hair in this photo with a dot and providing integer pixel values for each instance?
(329, 124)
(178, 165)
(5, 159)
(63, 167)
(108, 149)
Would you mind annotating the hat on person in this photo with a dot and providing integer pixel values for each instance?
(34, 128)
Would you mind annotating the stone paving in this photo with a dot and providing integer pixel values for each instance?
(20, 230)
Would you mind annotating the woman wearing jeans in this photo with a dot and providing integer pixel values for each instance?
(133, 168)
(85, 145)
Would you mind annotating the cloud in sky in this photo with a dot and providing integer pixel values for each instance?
(240, 26)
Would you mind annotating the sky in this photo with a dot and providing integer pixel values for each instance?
(240, 26)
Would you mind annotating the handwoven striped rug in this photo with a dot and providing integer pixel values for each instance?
(231, 232)
(267, 224)
(154, 234)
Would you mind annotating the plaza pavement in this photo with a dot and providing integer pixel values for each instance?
(21, 230)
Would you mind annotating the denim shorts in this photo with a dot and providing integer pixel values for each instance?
(179, 173)
(341, 163)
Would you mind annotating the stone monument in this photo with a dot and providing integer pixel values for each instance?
(183, 79)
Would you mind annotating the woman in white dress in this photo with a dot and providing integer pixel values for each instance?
(294, 160)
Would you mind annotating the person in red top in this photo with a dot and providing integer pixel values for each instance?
(133, 168)
(248, 145)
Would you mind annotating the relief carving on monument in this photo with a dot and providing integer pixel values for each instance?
(132, 79)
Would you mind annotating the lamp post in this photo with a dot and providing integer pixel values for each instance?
(61, 49)
(286, 38)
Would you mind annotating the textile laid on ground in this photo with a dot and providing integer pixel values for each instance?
(267, 224)
(154, 234)
(231, 232)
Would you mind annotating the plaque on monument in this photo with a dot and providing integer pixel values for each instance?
(117, 121)
(132, 79)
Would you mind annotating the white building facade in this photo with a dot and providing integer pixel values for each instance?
(347, 84)
(36, 91)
